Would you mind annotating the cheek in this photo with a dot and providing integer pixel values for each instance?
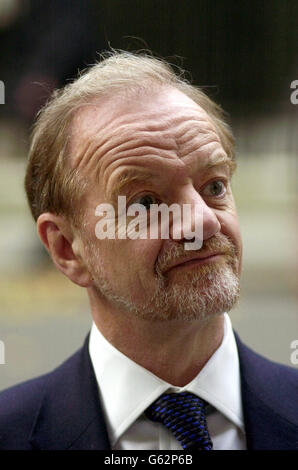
(142, 255)
(130, 261)
(231, 228)
(134, 262)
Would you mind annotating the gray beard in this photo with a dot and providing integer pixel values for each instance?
(199, 294)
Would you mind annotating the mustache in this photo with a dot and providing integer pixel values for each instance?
(176, 252)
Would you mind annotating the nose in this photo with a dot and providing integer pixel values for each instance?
(198, 219)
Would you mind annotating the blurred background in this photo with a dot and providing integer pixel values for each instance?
(244, 54)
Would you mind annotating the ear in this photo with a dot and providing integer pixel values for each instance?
(64, 248)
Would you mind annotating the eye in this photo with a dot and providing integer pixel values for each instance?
(216, 188)
(146, 200)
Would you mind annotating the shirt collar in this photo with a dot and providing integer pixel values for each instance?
(122, 381)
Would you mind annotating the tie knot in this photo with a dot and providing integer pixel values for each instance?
(184, 414)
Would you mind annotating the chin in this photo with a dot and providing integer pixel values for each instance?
(192, 297)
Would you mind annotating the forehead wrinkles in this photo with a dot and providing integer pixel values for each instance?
(194, 136)
(139, 134)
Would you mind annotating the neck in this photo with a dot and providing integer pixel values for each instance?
(175, 351)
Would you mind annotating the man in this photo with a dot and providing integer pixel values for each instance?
(161, 368)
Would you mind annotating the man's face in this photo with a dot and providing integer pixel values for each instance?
(157, 149)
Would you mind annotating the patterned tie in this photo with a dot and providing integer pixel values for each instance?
(185, 415)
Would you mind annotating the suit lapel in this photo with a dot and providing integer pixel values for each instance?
(70, 415)
(268, 402)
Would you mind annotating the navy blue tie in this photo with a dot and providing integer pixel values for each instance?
(185, 415)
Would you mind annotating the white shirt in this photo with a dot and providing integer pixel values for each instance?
(126, 389)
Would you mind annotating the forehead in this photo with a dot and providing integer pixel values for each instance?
(166, 118)
(100, 112)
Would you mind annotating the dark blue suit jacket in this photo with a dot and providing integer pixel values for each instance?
(61, 410)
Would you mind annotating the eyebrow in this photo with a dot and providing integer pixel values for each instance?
(126, 179)
(140, 177)
(223, 160)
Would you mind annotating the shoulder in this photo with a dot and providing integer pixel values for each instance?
(265, 368)
(20, 405)
(18, 408)
(275, 384)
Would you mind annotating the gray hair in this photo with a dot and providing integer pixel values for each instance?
(50, 183)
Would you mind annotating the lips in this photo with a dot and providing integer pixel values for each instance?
(194, 258)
